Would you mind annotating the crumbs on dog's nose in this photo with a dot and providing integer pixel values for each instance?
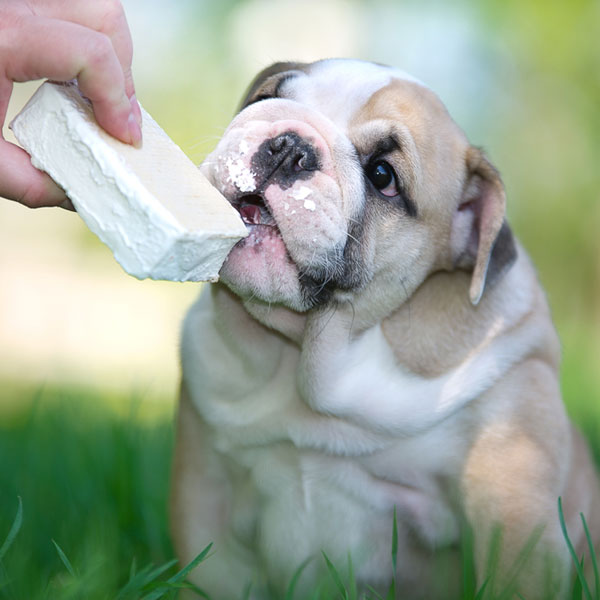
(284, 159)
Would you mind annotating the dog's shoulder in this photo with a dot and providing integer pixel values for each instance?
(438, 328)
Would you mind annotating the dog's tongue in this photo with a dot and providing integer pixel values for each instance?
(250, 213)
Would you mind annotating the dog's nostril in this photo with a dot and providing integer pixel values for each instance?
(301, 163)
(278, 144)
(286, 158)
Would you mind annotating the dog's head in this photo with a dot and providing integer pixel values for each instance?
(352, 178)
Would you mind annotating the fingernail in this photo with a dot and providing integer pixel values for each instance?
(135, 132)
(135, 109)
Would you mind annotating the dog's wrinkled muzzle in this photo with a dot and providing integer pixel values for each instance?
(280, 174)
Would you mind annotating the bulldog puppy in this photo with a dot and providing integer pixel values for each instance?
(378, 342)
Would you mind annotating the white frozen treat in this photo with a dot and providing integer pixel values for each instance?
(151, 206)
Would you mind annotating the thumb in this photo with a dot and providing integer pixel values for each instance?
(22, 182)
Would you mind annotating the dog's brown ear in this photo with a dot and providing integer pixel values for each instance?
(265, 83)
(481, 238)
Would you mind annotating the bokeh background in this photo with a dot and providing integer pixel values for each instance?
(521, 77)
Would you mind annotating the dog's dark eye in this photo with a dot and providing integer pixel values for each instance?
(382, 176)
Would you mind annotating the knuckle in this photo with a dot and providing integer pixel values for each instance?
(33, 196)
(100, 50)
(112, 14)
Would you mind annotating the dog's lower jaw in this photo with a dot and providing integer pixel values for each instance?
(267, 274)
(286, 321)
(256, 273)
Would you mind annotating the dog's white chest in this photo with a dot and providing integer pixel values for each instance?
(291, 503)
(321, 480)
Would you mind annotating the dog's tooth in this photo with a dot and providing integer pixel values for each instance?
(151, 206)
(250, 213)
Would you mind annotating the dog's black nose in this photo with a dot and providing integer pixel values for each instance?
(285, 159)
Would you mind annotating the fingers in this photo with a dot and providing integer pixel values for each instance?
(103, 16)
(62, 50)
(63, 40)
(22, 182)
(19, 180)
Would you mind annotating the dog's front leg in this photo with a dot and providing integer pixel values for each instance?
(513, 476)
(199, 507)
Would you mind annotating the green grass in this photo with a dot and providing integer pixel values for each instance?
(83, 506)
(93, 487)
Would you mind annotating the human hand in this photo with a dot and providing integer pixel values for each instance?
(62, 40)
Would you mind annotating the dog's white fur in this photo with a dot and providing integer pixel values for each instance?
(303, 425)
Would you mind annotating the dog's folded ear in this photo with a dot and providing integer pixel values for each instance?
(481, 238)
(265, 83)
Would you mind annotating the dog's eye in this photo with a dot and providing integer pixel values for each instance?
(382, 176)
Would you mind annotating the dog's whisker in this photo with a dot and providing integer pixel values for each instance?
(332, 309)
(354, 239)
(205, 140)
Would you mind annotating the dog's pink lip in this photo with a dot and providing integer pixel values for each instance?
(263, 230)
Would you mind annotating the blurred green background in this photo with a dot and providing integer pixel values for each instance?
(78, 334)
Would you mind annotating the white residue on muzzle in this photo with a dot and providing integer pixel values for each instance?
(239, 174)
(302, 194)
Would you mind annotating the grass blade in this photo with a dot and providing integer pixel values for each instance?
(164, 587)
(395, 543)
(336, 577)
(318, 593)
(14, 530)
(375, 596)
(520, 563)
(289, 594)
(493, 559)
(563, 526)
(143, 578)
(391, 595)
(247, 591)
(133, 568)
(592, 556)
(65, 560)
(180, 575)
(481, 592)
(392, 591)
(469, 581)
(353, 593)
(152, 574)
(577, 593)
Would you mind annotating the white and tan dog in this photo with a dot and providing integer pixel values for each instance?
(378, 341)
